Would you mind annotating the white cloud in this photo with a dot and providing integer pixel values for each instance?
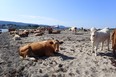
(40, 20)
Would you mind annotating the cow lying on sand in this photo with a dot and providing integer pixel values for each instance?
(39, 49)
(56, 32)
(114, 42)
(16, 37)
(25, 33)
(99, 37)
(50, 31)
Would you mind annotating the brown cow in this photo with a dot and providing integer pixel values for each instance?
(56, 32)
(114, 42)
(42, 48)
(16, 37)
(25, 33)
(51, 31)
(39, 34)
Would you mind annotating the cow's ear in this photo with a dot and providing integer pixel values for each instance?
(61, 42)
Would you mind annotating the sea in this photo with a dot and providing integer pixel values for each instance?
(4, 30)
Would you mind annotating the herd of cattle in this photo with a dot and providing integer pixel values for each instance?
(37, 32)
(50, 47)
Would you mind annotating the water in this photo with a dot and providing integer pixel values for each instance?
(4, 30)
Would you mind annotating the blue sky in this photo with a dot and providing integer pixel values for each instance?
(80, 13)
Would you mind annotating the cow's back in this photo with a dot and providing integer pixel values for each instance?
(103, 35)
(41, 48)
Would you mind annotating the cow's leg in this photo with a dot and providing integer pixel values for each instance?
(108, 41)
(102, 44)
(24, 56)
(24, 53)
(32, 58)
(96, 44)
(21, 57)
(114, 53)
(92, 44)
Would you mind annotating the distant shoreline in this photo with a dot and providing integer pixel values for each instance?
(4, 30)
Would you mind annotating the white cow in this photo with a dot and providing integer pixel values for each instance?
(99, 37)
(16, 37)
(73, 29)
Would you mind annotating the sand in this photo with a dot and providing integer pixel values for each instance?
(75, 58)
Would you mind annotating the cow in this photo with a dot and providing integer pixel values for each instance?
(39, 34)
(73, 29)
(56, 32)
(50, 30)
(99, 37)
(37, 31)
(114, 42)
(39, 49)
(13, 32)
(16, 37)
(25, 33)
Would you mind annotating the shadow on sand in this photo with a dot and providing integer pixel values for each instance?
(79, 33)
(111, 57)
(64, 57)
(109, 54)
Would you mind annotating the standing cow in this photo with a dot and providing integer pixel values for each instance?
(99, 37)
(114, 42)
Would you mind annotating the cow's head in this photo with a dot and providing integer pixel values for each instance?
(93, 35)
(55, 44)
